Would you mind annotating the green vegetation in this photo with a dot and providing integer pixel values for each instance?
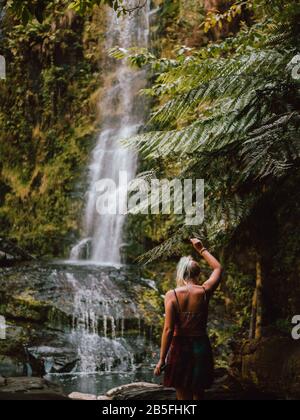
(228, 112)
(225, 107)
(48, 108)
(27, 10)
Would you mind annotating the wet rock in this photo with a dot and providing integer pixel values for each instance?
(10, 252)
(46, 294)
(56, 312)
(82, 397)
(10, 366)
(30, 388)
(225, 388)
(13, 345)
(2, 381)
(28, 396)
(142, 391)
(66, 368)
(53, 351)
(37, 365)
(103, 398)
(56, 352)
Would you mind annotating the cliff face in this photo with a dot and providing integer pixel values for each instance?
(52, 314)
(48, 110)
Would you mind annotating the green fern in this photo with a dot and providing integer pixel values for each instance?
(228, 113)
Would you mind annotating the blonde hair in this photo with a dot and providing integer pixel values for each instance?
(187, 269)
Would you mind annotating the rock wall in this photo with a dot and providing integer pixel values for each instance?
(271, 364)
(61, 318)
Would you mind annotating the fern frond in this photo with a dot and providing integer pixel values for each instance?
(273, 148)
(209, 134)
(172, 246)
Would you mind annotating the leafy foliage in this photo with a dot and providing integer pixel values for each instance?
(26, 10)
(82, 6)
(216, 18)
(229, 113)
(47, 122)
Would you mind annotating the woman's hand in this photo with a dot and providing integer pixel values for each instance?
(197, 244)
(157, 370)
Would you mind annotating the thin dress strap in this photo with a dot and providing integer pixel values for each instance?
(177, 300)
(205, 295)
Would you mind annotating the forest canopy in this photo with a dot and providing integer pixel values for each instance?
(29, 9)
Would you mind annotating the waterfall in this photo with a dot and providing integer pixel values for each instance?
(122, 113)
(98, 326)
(99, 331)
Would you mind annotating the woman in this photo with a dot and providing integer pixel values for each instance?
(186, 354)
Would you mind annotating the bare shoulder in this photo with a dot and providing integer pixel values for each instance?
(180, 289)
(169, 294)
(170, 299)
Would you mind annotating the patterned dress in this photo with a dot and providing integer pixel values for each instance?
(190, 360)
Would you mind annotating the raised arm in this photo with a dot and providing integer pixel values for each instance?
(167, 332)
(213, 282)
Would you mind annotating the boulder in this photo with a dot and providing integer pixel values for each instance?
(103, 398)
(225, 387)
(142, 391)
(30, 389)
(82, 397)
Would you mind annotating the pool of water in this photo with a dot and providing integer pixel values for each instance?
(100, 383)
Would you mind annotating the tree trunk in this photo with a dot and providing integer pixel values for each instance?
(257, 306)
(253, 316)
(259, 301)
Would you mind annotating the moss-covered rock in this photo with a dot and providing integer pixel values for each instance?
(272, 365)
(52, 310)
(25, 307)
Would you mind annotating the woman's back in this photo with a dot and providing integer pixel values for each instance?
(191, 311)
(186, 352)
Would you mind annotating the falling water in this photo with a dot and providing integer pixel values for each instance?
(99, 319)
(98, 327)
(122, 116)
